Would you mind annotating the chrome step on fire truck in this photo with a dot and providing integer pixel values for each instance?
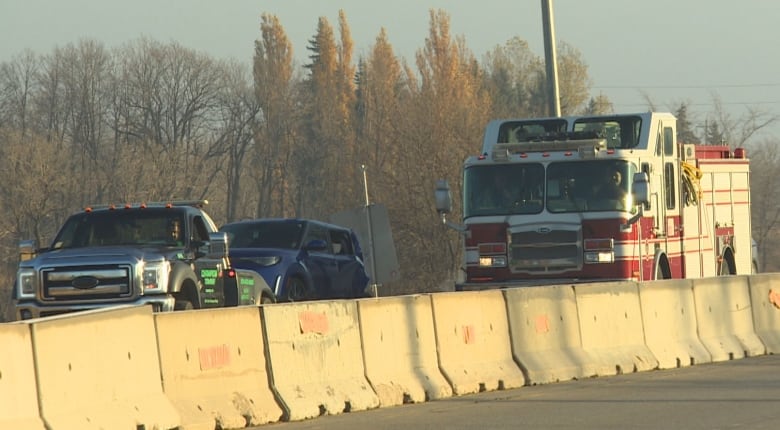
(168, 255)
(595, 198)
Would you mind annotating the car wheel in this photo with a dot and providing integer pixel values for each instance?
(296, 290)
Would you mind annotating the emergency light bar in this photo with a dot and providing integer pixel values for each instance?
(196, 203)
(501, 151)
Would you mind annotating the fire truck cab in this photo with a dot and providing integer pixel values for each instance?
(594, 198)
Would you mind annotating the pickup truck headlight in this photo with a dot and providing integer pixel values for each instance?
(155, 277)
(26, 283)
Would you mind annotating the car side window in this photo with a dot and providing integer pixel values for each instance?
(340, 242)
(316, 232)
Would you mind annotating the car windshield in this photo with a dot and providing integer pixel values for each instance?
(265, 234)
(122, 227)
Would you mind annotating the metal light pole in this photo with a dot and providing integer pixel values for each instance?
(549, 59)
(374, 288)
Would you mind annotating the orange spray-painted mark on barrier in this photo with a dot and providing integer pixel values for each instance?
(313, 322)
(542, 324)
(214, 357)
(774, 298)
(469, 334)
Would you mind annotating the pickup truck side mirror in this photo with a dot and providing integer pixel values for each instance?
(218, 245)
(27, 250)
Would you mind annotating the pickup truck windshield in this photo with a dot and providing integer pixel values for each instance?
(144, 227)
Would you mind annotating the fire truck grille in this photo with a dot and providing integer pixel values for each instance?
(87, 283)
(552, 251)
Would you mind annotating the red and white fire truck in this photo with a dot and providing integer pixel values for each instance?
(595, 198)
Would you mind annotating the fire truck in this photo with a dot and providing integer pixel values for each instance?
(597, 198)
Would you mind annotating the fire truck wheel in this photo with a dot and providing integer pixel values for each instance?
(724, 268)
(659, 272)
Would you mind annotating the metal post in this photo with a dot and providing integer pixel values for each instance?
(549, 58)
(374, 287)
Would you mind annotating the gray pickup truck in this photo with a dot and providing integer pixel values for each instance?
(168, 255)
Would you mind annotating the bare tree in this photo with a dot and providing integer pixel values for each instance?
(238, 110)
(18, 83)
(737, 131)
(509, 72)
(329, 161)
(765, 211)
(443, 123)
(599, 105)
(381, 92)
(276, 134)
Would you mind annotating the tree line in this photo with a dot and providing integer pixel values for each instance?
(152, 121)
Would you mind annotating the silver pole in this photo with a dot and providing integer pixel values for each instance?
(374, 289)
(549, 58)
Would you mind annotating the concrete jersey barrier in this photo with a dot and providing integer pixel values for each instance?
(669, 320)
(611, 327)
(126, 367)
(316, 358)
(100, 370)
(18, 387)
(724, 317)
(545, 332)
(472, 337)
(765, 303)
(399, 350)
(214, 368)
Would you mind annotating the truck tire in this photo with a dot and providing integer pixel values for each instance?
(265, 300)
(725, 270)
(182, 303)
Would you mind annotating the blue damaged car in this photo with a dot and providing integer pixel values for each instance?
(300, 259)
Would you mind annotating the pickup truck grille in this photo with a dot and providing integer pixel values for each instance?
(79, 283)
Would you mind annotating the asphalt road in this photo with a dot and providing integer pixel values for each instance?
(742, 394)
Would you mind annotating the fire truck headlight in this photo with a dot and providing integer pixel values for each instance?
(595, 257)
(155, 276)
(492, 261)
(26, 281)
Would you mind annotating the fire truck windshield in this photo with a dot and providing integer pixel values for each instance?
(588, 186)
(571, 186)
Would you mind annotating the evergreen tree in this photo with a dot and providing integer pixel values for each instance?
(685, 133)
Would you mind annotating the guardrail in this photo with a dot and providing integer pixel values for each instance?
(128, 367)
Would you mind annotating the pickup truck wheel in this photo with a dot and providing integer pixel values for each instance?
(182, 304)
(265, 300)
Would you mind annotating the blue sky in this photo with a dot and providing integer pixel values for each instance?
(669, 50)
